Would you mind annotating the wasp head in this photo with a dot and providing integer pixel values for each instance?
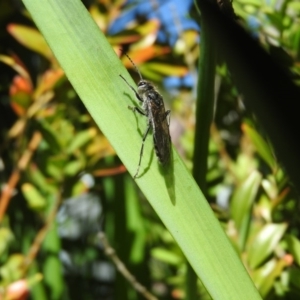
(144, 86)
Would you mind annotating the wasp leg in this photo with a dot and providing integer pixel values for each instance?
(142, 150)
(135, 108)
(167, 113)
(136, 94)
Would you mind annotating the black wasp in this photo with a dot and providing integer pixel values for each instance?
(154, 109)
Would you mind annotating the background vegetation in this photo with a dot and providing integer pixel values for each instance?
(62, 182)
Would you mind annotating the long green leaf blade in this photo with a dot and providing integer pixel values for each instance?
(93, 69)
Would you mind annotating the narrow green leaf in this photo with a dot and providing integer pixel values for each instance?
(251, 2)
(165, 69)
(243, 198)
(166, 256)
(262, 147)
(49, 135)
(53, 168)
(6, 237)
(135, 223)
(81, 139)
(30, 38)
(265, 243)
(265, 276)
(93, 69)
(51, 266)
(40, 181)
(33, 197)
(73, 167)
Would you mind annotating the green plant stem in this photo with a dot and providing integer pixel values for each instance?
(204, 115)
(205, 105)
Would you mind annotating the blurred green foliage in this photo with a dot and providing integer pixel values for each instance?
(60, 178)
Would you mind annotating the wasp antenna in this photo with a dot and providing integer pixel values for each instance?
(134, 66)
